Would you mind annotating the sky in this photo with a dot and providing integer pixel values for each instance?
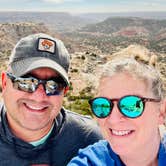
(83, 6)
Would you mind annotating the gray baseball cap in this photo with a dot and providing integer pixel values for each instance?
(37, 51)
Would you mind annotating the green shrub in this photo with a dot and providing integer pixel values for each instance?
(80, 106)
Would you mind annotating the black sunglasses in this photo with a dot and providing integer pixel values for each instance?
(52, 86)
(130, 106)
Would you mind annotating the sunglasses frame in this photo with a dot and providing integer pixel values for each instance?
(111, 104)
(60, 85)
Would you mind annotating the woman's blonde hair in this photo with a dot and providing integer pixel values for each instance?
(138, 69)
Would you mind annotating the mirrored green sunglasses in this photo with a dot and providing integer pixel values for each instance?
(130, 106)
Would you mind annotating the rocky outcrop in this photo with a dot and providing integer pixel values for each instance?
(10, 33)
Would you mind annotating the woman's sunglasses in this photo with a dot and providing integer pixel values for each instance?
(130, 106)
(52, 86)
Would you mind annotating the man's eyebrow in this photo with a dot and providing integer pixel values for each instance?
(56, 77)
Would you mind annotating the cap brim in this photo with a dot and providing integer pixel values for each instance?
(23, 67)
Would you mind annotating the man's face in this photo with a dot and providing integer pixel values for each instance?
(31, 111)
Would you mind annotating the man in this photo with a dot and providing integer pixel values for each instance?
(35, 129)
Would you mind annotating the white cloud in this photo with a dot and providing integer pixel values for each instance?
(74, 0)
(61, 1)
(56, 1)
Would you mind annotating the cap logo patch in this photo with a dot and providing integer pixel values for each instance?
(46, 45)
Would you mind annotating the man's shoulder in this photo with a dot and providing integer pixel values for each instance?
(85, 126)
(162, 150)
(77, 115)
(80, 119)
(1, 106)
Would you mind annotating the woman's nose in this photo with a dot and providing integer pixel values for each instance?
(115, 115)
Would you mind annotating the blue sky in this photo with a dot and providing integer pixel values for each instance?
(82, 6)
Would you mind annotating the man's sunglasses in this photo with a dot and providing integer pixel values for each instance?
(52, 86)
(130, 106)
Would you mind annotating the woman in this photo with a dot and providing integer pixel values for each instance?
(129, 108)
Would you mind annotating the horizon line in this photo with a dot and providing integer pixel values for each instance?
(102, 12)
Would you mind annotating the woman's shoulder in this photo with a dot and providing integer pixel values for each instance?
(99, 153)
(98, 147)
(162, 152)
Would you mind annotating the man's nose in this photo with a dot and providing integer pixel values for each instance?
(39, 92)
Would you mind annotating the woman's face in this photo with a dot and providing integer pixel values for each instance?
(126, 135)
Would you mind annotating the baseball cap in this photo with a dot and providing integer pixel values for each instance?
(37, 51)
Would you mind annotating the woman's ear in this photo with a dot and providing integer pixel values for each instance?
(162, 116)
(3, 79)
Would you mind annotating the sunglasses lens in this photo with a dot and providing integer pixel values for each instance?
(26, 84)
(101, 107)
(29, 84)
(53, 88)
(131, 106)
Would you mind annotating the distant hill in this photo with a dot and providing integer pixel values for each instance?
(10, 33)
(57, 21)
(144, 14)
(115, 24)
(65, 22)
(122, 31)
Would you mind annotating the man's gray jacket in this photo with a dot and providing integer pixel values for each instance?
(71, 132)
